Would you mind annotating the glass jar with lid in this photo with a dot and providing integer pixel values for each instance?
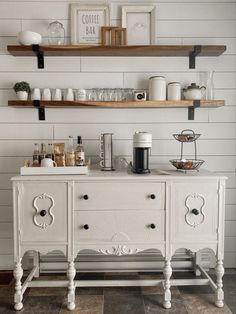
(56, 33)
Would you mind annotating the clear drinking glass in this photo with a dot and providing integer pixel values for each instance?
(56, 33)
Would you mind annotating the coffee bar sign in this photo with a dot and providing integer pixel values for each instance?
(86, 23)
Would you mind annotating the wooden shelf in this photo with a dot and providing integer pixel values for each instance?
(138, 51)
(118, 104)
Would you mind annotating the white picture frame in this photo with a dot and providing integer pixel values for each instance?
(140, 24)
(86, 23)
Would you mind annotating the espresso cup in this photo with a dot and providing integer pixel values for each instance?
(48, 162)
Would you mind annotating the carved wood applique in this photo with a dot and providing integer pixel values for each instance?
(119, 250)
(195, 215)
(49, 213)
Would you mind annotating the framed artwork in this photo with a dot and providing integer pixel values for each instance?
(140, 24)
(86, 22)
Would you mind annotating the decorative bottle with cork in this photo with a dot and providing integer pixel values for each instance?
(70, 154)
(42, 154)
(79, 153)
(36, 155)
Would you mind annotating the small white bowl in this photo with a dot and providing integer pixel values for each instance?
(29, 38)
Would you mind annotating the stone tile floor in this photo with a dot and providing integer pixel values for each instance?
(120, 300)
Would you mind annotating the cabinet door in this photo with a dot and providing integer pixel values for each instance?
(43, 212)
(194, 212)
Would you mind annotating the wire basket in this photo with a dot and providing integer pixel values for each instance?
(187, 164)
(187, 136)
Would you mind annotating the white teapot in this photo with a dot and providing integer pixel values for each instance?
(194, 92)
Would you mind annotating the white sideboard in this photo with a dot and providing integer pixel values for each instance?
(118, 213)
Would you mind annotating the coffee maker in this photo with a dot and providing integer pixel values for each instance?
(142, 142)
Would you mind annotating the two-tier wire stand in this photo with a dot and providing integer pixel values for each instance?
(187, 136)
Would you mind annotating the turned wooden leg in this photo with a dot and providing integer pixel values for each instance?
(36, 263)
(197, 261)
(71, 286)
(167, 294)
(219, 282)
(18, 273)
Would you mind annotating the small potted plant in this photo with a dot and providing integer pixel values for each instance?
(22, 90)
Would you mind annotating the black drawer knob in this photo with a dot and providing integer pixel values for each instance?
(86, 227)
(152, 196)
(195, 211)
(152, 226)
(43, 212)
(85, 197)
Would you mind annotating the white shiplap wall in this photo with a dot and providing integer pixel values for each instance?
(178, 22)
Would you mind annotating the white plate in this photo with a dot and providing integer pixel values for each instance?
(28, 171)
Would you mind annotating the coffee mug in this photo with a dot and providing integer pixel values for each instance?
(48, 162)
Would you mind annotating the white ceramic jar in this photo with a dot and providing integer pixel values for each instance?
(157, 88)
(174, 91)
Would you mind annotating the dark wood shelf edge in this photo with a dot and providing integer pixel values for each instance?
(129, 104)
(149, 50)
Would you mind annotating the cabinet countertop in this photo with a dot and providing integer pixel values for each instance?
(126, 174)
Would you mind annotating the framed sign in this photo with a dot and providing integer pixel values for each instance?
(86, 22)
(140, 24)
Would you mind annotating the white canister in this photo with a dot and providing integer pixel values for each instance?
(174, 91)
(157, 88)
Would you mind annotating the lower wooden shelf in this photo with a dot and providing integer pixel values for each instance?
(118, 104)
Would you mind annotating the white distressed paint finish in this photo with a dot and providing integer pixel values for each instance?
(178, 22)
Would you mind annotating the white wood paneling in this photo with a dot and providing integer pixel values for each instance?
(206, 22)
(230, 212)
(6, 214)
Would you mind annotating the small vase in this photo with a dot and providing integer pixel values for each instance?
(22, 95)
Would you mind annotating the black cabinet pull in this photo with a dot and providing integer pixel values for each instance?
(85, 197)
(43, 212)
(86, 226)
(195, 211)
(152, 196)
(152, 226)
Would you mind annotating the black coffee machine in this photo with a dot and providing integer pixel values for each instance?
(142, 142)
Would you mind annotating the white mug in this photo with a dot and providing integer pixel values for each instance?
(46, 94)
(57, 94)
(36, 95)
(48, 162)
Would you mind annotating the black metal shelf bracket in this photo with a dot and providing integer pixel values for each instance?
(41, 110)
(191, 110)
(40, 56)
(192, 57)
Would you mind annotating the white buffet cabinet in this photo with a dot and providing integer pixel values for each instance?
(118, 213)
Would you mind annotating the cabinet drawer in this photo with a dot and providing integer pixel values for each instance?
(119, 227)
(43, 212)
(107, 195)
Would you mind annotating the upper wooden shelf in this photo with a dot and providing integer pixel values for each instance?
(139, 51)
(119, 104)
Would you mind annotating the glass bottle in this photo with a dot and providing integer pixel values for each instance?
(56, 33)
(79, 153)
(210, 86)
(70, 154)
(36, 155)
(50, 152)
(42, 154)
